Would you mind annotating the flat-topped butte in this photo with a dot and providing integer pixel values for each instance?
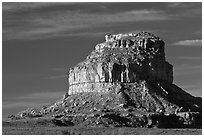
(130, 41)
(125, 58)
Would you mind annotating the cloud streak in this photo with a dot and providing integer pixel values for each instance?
(188, 43)
(193, 89)
(189, 58)
(34, 99)
(182, 4)
(186, 58)
(24, 6)
(43, 95)
(57, 77)
(23, 104)
(38, 24)
(187, 67)
(186, 70)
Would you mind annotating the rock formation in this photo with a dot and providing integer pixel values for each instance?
(125, 81)
(125, 58)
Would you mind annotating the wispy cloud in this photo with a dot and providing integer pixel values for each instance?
(57, 77)
(189, 78)
(23, 104)
(185, 9)
(186, 58)
(34, 99)
(38, 24)
(61, 73)
(47, 95)
(20, 6)
(182, 4)
(188, 43)
(187, 70)
(59, 69)
(198, 32)
(193, 89)
(28, 6)
(187, 67)
(175, 4)
(136, 31)
(189, 58)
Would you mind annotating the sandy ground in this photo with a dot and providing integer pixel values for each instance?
(10, 130)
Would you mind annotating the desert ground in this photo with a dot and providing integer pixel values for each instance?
(46, 128)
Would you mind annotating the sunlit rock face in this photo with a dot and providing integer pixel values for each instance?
(125, 81)
(123, 58)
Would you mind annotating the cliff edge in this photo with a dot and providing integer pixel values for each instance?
(125, 81)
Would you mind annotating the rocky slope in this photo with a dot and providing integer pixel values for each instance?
(125, 58)
(125, 81)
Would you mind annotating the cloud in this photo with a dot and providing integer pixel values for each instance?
(189, 78)
(187, 67)
(34, 99)
(187, 70)
(192, 89)
(175, 4)
(189, 58)
(22, 6)
(63, 73)
(57, 77)
(198, 32)
(47, 95)
(186, 58)
(27, 6)
(183, 10)
(37, 24)
(188, 43)
(137, 31)
(59, 69)
(196, 92)
(23, 104)
(183, 4)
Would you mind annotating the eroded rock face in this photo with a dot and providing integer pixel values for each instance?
(125, 81)
(125, 58)
(139, 104)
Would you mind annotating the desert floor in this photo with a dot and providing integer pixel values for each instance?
(24, 129)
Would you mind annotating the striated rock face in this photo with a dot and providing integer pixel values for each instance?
(125, 81)
(140, 104)
(125, 58)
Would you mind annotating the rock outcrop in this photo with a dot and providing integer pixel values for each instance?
(125, 58)
(125, 81)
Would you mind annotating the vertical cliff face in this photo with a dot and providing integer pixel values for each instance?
(125, 81)
(125, 58)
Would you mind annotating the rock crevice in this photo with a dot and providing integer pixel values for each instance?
(125, 58)
(125, 81)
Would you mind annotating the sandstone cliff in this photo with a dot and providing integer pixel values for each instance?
(125, 81)
(125, 58)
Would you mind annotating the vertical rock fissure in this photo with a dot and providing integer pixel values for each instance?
(125, 58)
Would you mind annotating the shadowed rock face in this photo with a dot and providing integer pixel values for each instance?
(125, 58)
(125, 81)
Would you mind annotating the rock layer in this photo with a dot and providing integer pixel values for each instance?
(139, 104)
(125, 58)
(125, 81)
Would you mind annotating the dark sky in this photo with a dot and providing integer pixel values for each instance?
(41, 41)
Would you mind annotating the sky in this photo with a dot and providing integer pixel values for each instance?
(41, 41)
